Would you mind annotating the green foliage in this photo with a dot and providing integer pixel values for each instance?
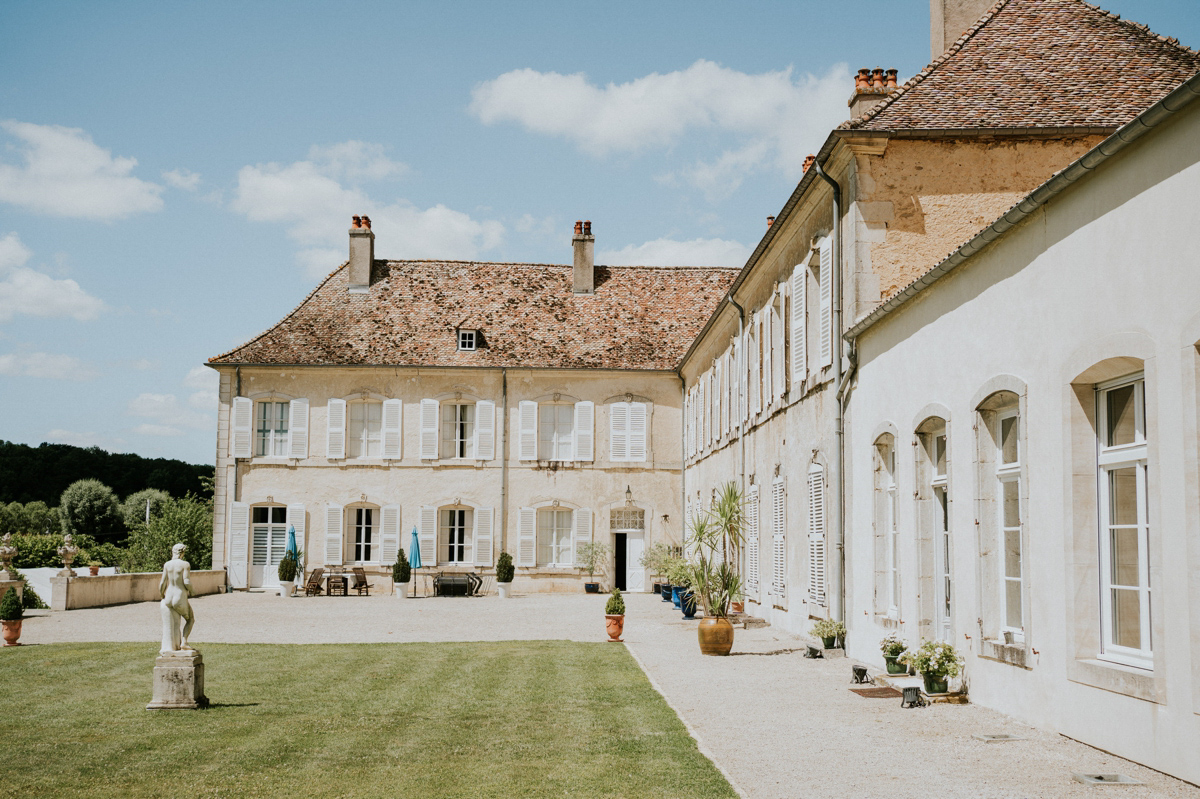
(655, 559)
(504, 568)
(891, 646)
(10, 606)
(678, 571)
(106, 554)
(715, 539)
(29, 598)
(37, 551)
(287, 567)
(401, 570)
(88, 507)
(186, 521)
(33, 517)
(615, 606)
(829, 628)
(936, 659)
(133, 509)
(593, 556)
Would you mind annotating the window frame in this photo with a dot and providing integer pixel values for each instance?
(560, 546)
(1010, 473)
(277, 435)
(891, 490)
(467, 340)
(557, 444)
(271, 528)
(939, 485)
(464, 438)
(354, 529)
(463, 523)
(365, 437)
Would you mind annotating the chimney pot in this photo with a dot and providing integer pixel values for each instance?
(583, 276)
(578, 227)
(808, 161)
(877, 78)
(355, 221)
(770, 221)
(366, 221)
(863, 79)
(891, 78)
(362, 255)
(587, 227)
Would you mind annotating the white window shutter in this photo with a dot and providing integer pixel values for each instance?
(527, 537)
(389, 533)
(298, 428)
(239, 542)
(779, 343)
(816, 534)
(585, 431)
(768, 348)
(335, 430)
(689, 405)
(701, 426)
(527, 439)
(485, 430)
(241, 428)
(582, 522)
(755, 353)
(744, 376)
(779, 539)
(618, 431)
(484, 524)
(296, 518)
(752, 565)
(427, 534)
(827, 267)
(333, 535)
(393, 430)
(799, 331)
(638, 428)
(429, 430)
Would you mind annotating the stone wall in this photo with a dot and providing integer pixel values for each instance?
(71, 593)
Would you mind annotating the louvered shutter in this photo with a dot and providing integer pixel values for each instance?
(393, 429)
(752, 566)
(484, 524)
(335, 430)
(241, 428)
(239, 542)
(427, 534)
(799, 327)
(827, 267)
(618, 431)
(389, 533)
(585, 431)
(779, 539)
(485, 430)
(702, 408)
(296, 518)
(582, 519)
(527, 537)
(333, 535)
(755, 353)
(298, 428)
(638, 427)
(744, 375)
(468, 553)
(768, 348)
(527, 439)
(816, 534)
(429, 430)
(779, 342)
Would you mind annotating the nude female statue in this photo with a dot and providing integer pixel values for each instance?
(175, 588)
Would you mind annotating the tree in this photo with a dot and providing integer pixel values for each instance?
(186, 521)
(41, 519)
(88, 507)
(133, 509)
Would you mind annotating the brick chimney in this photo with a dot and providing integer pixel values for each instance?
(362, 253)
(870, 87)
(585, 258)
(949, 19)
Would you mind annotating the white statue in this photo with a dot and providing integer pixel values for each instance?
(175, 588)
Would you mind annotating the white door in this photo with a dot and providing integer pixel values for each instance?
(635, 572)
(268, 537)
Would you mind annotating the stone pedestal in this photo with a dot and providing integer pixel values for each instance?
(59, 586)
(179, 681)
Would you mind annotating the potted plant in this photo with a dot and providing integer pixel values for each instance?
(677, 570)
(401, 573)
(728, 515)
(504, 574)
(712, 574)
(937, 662)
(614, 615)
(287, 573)
(94, 567)
(654, 560)
(892, 648)
(11, 614)
(592, 556)
(829, 631)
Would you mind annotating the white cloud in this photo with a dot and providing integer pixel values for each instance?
(202, 377)
(778, 118)
(66, 174)
(45, 365)
(12, 252)
(33, 293)
(165, 412)
(668, 252)
(355, 160)
(181, 178)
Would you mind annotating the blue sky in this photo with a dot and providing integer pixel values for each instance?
(175, 177)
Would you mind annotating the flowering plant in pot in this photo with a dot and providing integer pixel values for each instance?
(504, 574)
(829, 631)
(937, 662)
(401, 574)
(11, 615)
(614, 615)
(892, 648)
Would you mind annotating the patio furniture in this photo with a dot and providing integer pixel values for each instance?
(360, 582)
(335, 585)
(456, 585)
(313, 586)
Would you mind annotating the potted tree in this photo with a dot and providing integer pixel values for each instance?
(677, 574)
(937, 662)
(712, 574)
(287, 573)
(401, 573)
(504, 574)
(829, 631)
(654, 561)
(592, 556)
(728, 514)
(892, 648)
(11, 614)
(614, 615)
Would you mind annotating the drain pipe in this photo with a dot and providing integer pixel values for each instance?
(839, 432)
(741, 357)
(504, 460)
(683, 421)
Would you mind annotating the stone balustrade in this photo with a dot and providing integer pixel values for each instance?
(72, 593)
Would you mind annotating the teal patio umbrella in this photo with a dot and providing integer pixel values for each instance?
(414, 554)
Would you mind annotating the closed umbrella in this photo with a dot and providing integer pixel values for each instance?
(414, 553)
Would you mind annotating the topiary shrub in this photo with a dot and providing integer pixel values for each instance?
(616, 603)
(401, 570)
(504, 568)
(288, 567)
(10, 606)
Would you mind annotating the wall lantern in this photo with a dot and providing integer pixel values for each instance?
(628, 497)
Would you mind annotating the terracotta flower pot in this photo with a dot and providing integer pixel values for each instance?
(93, 570)
(738, 607)
(12, 631)
(715, 635)
(614, 624)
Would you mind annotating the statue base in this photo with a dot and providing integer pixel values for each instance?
(179, 681)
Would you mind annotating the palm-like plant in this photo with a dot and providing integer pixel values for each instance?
(716, 540)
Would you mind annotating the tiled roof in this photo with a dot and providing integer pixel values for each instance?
(1038, 63)
(639, 317)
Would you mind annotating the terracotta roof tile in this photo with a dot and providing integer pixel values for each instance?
(1038, 63)
(638, 318)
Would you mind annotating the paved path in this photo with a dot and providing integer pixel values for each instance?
(777, 724)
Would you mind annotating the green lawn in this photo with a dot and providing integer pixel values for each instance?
(515, 719)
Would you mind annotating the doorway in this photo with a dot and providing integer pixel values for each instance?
(628, 527)
(269, 535)
(619, 580)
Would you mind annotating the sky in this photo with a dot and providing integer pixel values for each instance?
(176, 177)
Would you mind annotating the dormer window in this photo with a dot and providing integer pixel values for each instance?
(467, 340)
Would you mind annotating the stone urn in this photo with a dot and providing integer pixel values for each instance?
(715, 634)
(614, 625)
(7, 553)
(12, 631)
(67, 552)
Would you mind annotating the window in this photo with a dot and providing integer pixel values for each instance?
(941, 536)
(778, 540)
(627, 431)
(1008, 473)
(364, 437)
(554, 537)
(1124, 526)
(752, 565)
(817, 576)
(458, 430)
(364, 534)
(627, 519)
(455, 526)
(269, 535)
(892, 532)
(555, 432)
(466, 340)
(271, 431)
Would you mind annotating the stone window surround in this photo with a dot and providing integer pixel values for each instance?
(266, 396)
(885, 435)
(934, 419)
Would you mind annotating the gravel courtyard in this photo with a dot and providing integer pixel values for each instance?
(777, 724)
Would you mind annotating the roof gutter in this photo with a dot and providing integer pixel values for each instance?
(1154, 116)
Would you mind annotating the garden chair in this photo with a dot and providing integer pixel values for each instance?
(313, 586)
(360, 581)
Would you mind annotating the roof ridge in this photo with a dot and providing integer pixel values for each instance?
(538, 264)
(1139, 27)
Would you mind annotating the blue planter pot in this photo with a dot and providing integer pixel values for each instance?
(675, 595)
(687, 604)
(666, 592)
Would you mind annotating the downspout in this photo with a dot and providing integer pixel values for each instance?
(237, 392)
(742, 434)
(504, 460)
(839, 612)
(682, 459)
